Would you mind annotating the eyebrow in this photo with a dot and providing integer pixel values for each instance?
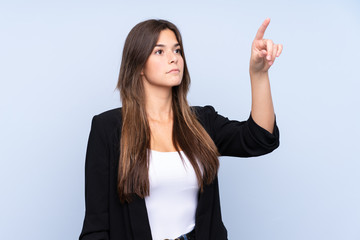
(162, 45)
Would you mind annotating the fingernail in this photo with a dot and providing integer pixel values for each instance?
(268, 57)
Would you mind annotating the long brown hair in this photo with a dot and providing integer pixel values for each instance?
(188, 133)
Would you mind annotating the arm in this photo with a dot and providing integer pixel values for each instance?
(263, 54)
(235, 138)
(96, 221)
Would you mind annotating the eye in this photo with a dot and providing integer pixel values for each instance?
(160, 51)
(178, 50)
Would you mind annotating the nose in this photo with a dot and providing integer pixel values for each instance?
(172, 57)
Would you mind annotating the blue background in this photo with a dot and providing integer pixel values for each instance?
(59, 64)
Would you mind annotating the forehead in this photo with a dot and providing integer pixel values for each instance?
(166, 37)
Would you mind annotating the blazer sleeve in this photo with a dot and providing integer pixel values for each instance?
(239, 139)
(96, 221)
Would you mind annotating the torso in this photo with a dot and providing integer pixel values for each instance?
(173, 198)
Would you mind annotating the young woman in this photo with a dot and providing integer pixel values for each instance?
(151, 166)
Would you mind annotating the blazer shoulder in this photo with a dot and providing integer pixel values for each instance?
(201, 111)
(110, 119)
(204, 114)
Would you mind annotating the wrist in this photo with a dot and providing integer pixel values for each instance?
(259, 75)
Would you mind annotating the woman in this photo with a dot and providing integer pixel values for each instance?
(151, 166)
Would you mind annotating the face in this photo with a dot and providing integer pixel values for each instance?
(165, 65)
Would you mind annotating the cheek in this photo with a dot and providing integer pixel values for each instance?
(156, 67)
(181, 63)
(151, 68)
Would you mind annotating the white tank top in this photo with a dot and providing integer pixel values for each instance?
(173, 198)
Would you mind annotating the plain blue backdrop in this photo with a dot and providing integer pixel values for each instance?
(59, 62)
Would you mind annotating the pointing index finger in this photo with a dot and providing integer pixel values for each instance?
(260, 33)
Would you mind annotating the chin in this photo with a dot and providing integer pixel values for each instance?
(177, 83)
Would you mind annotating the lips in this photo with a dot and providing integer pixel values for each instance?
(175, 70)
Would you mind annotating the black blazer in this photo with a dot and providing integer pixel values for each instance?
(106, 218)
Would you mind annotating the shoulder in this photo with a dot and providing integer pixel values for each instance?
(204, 114)
(203, 111)
(108, 121)
(110, 116)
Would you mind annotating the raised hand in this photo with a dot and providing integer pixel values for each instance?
(263, 51)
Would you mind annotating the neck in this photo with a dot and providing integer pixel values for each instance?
(158, 103)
